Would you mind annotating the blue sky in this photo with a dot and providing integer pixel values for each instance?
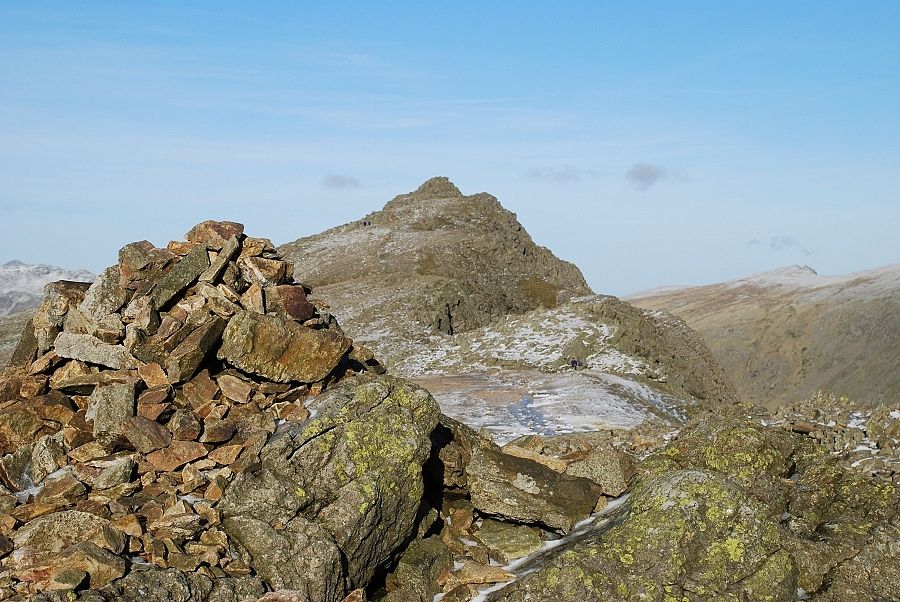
(651, 143)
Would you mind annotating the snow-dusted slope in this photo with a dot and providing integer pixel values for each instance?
(22, 284)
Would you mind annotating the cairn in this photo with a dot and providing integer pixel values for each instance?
(131, 403)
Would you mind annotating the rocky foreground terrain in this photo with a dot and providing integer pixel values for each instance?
(783, 335)
(193, 427)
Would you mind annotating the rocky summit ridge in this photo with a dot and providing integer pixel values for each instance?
(445, 261)
(192, 426)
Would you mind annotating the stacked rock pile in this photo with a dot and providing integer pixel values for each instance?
(131, 403)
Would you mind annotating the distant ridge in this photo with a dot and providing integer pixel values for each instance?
(781, 335)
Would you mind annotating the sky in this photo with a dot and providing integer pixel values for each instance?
(651, 143)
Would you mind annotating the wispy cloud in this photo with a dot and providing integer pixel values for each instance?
(780, 243)
(644, 175)
(340, 182)
(560, 175)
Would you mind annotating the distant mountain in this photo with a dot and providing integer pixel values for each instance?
(784, 334)
(22, 284)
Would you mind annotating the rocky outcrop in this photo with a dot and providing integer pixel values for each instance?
(434, 259)
(135, 405)
(343, 490)
(732, 510)
(686, 534)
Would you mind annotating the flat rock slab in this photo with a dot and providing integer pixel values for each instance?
(281, 350)
(90, 349)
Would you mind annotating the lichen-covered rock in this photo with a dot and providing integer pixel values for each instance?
(346, 485)
(831, 517)
(688, 534)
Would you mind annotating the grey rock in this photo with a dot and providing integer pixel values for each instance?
(109, 406)
(185, 272)
(687, 533)
(90, 349)
(416, 577)
(356, 463)
(48, 320)
(522, 490)
(185, 360)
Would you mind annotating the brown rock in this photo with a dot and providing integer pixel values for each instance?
(257, 247)
(200, 390)
(554, 464)
(253, 299)
(155, 395)
(215, 234)
(217, 266)
(146, 435)
(474, 573)
(281, 350)
(289, 300)
(141, 261)
(184, 425)
(176, 455)
(266, 272)
(234, 388)
(101, 566)
(225, 455)
(153, 375)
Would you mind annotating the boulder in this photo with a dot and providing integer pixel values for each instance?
(281, 350)
(522, 490)
(331, 484)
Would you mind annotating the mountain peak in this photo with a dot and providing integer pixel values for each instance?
(438, 187)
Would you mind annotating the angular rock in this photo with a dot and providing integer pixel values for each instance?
(185, 360)
(524, 491)
(607, 466)
(104, 297)
(176, 455)
(48, 321)
(90, 349)
(508, 542)
(265, 272)
(185, 272)
(215, 269)
(417, 572)
(281, 350)
(109, 406)
(101, 566)
(234, 388)
(215, 234)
